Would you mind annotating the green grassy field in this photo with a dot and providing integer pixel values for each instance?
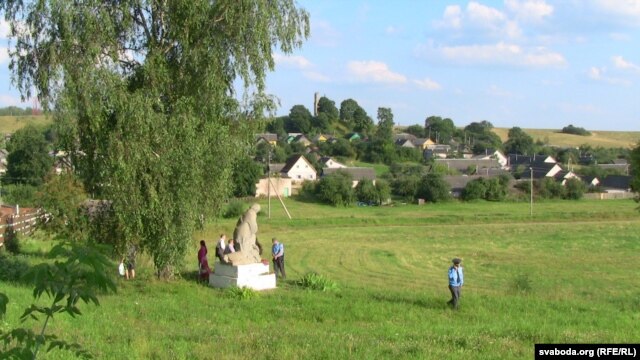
(563, 275)
(605, 139)
(9, 124)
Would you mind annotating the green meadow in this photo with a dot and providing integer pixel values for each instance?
(10, 124)
(565, 274)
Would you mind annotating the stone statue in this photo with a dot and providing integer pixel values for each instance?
(248, 249)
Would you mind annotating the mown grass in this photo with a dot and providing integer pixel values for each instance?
(605, 139)
(564, 275)
(10, 124)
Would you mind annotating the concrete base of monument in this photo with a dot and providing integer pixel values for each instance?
(254, 276)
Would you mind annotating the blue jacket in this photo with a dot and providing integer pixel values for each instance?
(456, 279)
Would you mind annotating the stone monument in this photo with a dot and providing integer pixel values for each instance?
(244, 267)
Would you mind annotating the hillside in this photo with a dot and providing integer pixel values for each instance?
(9, 124)
(606, 139)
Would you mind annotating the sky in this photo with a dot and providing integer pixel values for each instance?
(526, 63)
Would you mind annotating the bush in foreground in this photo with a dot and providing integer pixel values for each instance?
(314, 281)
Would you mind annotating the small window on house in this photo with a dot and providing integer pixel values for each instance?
(299, 176)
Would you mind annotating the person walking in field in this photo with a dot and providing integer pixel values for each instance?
(456, 279)
(277, 250)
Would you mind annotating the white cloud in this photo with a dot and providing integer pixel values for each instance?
(374, 71)
(601, 74)
(620, 63)
(625, 9)
(529, 10)
(427, 84)
(501, 53)
(483, 14)
(478, 19)
(452, 17)
(296, 61)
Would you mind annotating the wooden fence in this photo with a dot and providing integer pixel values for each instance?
(14, 221)
(610, 196)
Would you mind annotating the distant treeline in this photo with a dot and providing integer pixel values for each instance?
(17, 111)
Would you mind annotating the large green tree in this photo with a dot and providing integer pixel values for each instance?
(300, 119)
(328, 107)
(145, 89)
(439, 130)
(519, 142)
(28, 161)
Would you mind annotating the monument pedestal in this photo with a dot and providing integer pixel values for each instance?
(255, 276)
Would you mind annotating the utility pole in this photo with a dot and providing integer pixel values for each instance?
(531, 193)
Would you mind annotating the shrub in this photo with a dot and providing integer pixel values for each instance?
(335, 189)
(235, 208)
(366, 192)
(12, 241)
(315, 281)
(474, 190)
(242, 293)
(574, 189)
(575, 130)
(11, 268)
(433, 188)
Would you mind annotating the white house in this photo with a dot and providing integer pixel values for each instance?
(330, 163)
(298, 168)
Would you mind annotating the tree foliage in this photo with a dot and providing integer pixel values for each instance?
(80, 276)
(482, 137)
(28, 161)
(433, 188)
(62, 197)
(575, 130)
(300, 119)
(328, 107)
(145, 90)
(246, 174)
(335, 189)
(439, 130)
(366, 192)
(519, 142)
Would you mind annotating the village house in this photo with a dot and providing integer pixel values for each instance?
(357, 173)
(330, 163)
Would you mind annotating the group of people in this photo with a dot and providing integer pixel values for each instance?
(224, 247)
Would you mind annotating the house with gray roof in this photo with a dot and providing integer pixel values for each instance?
(357, 173)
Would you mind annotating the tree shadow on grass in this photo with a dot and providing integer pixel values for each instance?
(422, 302)
(12, 269)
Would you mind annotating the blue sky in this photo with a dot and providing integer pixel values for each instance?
(526, 63)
